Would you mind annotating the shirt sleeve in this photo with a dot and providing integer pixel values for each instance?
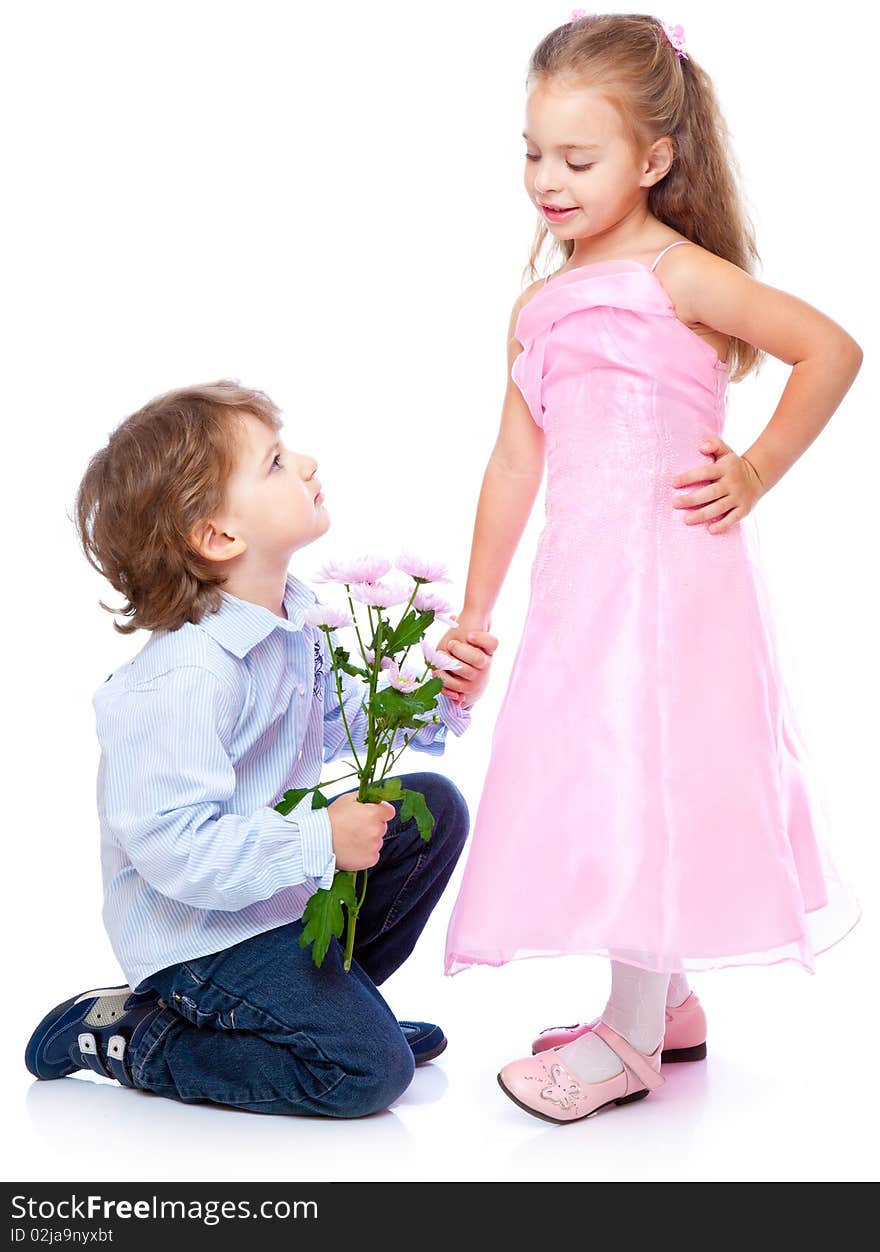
(431, 738)
(167, 771)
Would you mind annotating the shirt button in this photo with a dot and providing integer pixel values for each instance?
(302, 690)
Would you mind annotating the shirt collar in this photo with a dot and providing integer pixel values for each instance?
(239, 625)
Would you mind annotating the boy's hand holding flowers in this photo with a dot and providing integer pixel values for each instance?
(358, 831)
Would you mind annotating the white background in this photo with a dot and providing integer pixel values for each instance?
(326, 202)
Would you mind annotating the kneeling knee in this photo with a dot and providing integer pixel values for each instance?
(376, 1090)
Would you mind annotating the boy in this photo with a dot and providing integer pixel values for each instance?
(192, 511)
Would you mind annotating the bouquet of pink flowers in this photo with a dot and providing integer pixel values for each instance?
(396, 701)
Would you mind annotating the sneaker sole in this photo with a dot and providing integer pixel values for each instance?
(423, 1058)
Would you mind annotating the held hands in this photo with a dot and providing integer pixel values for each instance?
(732, 489)
(474, 647)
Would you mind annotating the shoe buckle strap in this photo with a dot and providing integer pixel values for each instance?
(632, 1059)
(88, 1050)
(114, 1067)
(115, 1059)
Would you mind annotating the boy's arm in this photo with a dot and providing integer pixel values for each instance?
(166, 769)
(431, 738)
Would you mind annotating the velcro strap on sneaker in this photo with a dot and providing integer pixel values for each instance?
(633, 1060)
(88, 1050)
(115, 1055)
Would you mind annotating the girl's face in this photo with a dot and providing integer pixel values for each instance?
(578, 158)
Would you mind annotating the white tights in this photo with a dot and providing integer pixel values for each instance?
(636, 1009)
(679, 990)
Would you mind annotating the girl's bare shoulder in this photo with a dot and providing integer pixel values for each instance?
(716, 297)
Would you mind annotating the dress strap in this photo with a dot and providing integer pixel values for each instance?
(666, 249)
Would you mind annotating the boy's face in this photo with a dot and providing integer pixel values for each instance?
(270, 497)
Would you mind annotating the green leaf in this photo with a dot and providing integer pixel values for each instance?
(390, 789)
(409, 630)
(292, 798)
(345, 665)
(400, 706)
(323, 919)
(414, 805)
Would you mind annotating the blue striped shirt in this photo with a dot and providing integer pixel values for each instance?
(201, 733)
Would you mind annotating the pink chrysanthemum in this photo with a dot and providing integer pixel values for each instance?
(380, 595)
(439, 659)
(424, 599)
(327, 615)
(360, 569)
(402, 680)
(369, 656)
(418, 567)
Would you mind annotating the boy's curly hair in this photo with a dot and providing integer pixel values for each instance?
(163, 470)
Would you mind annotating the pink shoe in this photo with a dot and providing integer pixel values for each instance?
(685, 1038)
(544, 1086)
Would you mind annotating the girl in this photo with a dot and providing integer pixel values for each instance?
(648, 796)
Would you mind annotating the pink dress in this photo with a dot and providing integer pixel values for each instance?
(648, 795)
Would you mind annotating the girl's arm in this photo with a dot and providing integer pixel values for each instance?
(510, 484)
(824, 358)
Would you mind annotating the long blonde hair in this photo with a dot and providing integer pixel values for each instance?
(657, 93)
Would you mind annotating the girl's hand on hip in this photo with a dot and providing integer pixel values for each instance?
(732, 488)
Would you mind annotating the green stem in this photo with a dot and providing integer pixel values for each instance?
(338, 673)
(388, 763)
(357, 630)
(329, 782)
(374, 749)
(353, 915)
(349, 927)
(418, 583)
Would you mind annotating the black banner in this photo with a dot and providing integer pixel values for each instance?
(416, 1216)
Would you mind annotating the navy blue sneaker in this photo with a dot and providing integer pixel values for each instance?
(89, 1031)
(425, 1039)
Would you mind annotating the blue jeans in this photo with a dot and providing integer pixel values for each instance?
(258, 1026)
